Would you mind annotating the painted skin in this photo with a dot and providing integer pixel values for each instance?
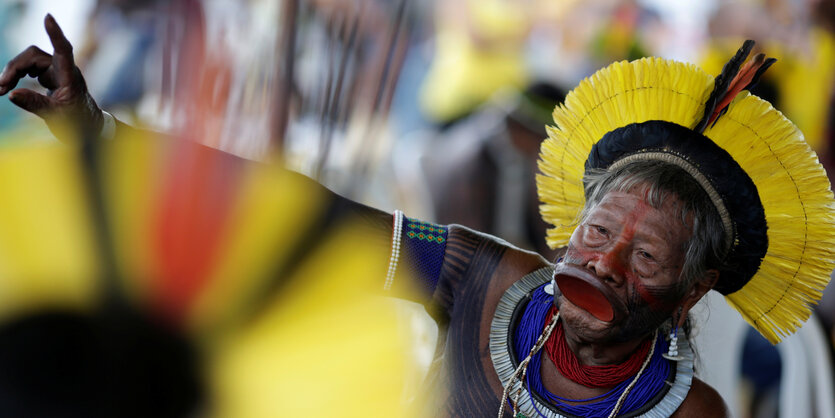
(638, 251)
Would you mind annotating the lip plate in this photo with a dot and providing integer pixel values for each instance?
(584, 289)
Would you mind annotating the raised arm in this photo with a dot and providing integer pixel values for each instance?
(432, 262)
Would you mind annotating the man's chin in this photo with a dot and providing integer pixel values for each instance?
(583, 325)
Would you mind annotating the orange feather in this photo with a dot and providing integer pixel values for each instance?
(740, 82)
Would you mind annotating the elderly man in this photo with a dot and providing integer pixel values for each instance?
(660, 183)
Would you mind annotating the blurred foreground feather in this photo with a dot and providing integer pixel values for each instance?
(210, 249)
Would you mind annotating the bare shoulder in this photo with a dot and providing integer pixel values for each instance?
(473, 241)
(472, 253)
(702, 401)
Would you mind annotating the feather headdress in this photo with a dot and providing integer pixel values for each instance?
(765, 181)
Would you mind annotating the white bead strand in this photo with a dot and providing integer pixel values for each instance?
(395, 248)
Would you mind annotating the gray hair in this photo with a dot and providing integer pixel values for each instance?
(662, 180)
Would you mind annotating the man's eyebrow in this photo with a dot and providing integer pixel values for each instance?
(601, 210)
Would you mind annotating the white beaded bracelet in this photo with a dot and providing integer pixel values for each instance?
(395, 248)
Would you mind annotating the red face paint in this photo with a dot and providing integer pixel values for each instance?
(658, 298)
(606, 248)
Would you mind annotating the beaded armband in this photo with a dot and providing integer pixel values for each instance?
(417, 253)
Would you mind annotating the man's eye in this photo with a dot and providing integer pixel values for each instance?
(595, 235)
(646, 255)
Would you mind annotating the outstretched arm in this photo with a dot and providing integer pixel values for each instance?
(434, 268)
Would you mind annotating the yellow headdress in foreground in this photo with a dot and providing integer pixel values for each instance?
(218, 284)
(797, 257)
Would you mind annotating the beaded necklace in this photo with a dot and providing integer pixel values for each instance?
(592, 376)
(512, 373)
(640, 391)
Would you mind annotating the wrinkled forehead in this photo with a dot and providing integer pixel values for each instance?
(652, 194)
(650, 214)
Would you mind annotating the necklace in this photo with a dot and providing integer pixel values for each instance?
(598, 406)
(592, 376)
(531, 404)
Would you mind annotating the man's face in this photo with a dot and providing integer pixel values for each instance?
(636, 250)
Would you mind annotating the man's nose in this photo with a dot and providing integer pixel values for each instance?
(610, 265)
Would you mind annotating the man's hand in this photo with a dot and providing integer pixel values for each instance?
(67, 107)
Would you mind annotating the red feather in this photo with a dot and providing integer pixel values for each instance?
(742, 80)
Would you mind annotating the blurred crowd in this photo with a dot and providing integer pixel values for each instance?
(436, 108)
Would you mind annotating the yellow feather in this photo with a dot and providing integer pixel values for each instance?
(793, 187)
(616, 96)
(798, 207)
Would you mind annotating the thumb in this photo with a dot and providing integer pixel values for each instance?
(31, 101)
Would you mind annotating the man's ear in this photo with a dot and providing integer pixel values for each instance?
(699, 289)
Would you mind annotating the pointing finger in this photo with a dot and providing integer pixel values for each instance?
(63, 57)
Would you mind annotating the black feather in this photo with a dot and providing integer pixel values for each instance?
(722, 82)
(759, 73)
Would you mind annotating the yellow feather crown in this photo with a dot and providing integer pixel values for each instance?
(791, 183)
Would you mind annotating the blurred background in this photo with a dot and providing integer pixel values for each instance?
(437, 108)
